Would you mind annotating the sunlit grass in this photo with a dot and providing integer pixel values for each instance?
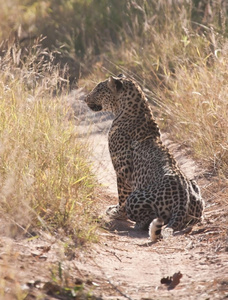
(45, 179)
(197, 111)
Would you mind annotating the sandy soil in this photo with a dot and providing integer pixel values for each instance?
(123, 264)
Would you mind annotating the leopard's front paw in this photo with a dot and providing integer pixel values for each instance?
(115, 212)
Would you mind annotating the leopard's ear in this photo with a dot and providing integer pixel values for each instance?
(115, 84)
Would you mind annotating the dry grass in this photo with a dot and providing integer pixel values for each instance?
(45, 180)
(197, 111)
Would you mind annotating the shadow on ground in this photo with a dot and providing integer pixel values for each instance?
(125, 228)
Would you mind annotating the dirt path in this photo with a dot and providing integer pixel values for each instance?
(123, 264)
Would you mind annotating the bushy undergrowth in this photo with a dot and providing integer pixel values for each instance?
(45, 180)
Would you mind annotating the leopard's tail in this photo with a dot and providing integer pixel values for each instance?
(155, 229)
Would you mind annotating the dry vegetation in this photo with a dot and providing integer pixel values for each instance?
(45, 180)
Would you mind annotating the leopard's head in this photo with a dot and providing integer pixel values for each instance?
(105, 95)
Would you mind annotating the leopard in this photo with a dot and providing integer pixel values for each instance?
(153, 191)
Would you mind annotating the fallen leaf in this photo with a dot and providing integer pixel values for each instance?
(172, 281)
(167, 280)
(175, 281)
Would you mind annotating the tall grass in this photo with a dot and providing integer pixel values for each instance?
(85, 28)
(45, 180)
(196, 110)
